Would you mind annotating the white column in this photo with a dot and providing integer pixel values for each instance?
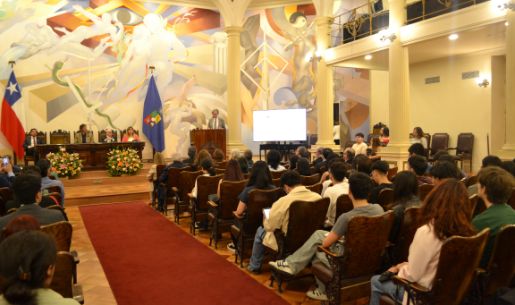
(508, 149)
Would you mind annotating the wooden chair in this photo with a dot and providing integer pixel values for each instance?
(244, 228)
(219, 171)
(343, 205)
(398, 250)
(62, 281)
(206, 185)
(317, 187)
(305, 217)
(276, 182)
(385, 198)
(221, 165)
(277, 175)
(468, 181)
(348, 277)
(155, 187)
(58, 207)
(60, 137)
(440, 141)
(310, 180)
(172, 195)
(423, 190)
(392, 172)
(62, 234)
(459, 258)
(221, 213)
(102, 136)
(477, 206)
(464, 148)
(186, 183)
(41, 136)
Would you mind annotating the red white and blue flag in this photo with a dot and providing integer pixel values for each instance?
(11, 126)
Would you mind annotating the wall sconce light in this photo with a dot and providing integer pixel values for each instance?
(318, 54)
(386, 36)
(505, 5)
(482, 82)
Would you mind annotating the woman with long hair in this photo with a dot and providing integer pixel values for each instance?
(130, 135)
(303, 167)
(26, 268)
(273, 158)
(417, 136)
(405, 195)
(202, 154)
(232, 173)
(260, 178)
(445, 213)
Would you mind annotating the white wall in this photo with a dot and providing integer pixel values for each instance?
(453, 105)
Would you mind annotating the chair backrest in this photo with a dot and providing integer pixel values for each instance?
(409, 225)
(392, 172)
(440, 141)
(511, 201)
(501, 268)
(477, 206)
(343, 205)
(186, 182)
(175, 176)
(102, 135)
(41, 136)
(385, 198)
(219, 171)
(60, 137)
(423, 190)
(61, 232)
(468, 181)
(276, 175)
(310, 180)
(317, 188)
(206, 185)
(221, 165)
(276, 182)
(62, 281)
(258, 200)
(159, 170)
(229, 192)
(365, 242)
(459, 258)
(305, 217)
(465, 143)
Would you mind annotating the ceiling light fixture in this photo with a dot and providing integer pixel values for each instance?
(368, 57)
(453, 37)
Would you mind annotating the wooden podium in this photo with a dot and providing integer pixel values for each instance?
(209, 139)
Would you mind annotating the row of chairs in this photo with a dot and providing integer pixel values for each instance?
(64, 137)
(440, 141)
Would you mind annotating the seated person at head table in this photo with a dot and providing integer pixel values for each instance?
(109, 136)
(31, 140)
(83, 135)
(130, 136)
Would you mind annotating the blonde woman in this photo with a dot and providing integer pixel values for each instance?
(152, 173)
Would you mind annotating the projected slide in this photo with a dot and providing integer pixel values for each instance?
(280, 125)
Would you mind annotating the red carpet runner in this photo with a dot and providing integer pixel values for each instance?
(150, 261)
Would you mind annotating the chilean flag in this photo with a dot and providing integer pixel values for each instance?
(11, 126)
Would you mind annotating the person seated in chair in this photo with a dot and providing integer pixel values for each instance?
(7, 176)
(359, 187)
(360, 147)
(380, 177)
(443, 170)
(418, 165)
(130, 136)
(83, 135)
(278, 217)
(109, 136)
(417, 136)
(27, 268)
(495, 186)
(44, 166)
(487, 161)
(31, 140)
(339, 186)
(27, 190)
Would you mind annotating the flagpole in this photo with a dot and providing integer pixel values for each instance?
(152, 68)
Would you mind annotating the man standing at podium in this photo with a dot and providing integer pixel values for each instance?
(215, 122)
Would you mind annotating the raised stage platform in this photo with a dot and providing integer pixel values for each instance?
(96, 186)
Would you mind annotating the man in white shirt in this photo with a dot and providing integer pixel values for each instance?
(337, 173)
(215, 122)
(360, 147)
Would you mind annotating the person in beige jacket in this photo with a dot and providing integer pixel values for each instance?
(278, 217)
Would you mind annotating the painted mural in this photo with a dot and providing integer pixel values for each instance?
(90, 61)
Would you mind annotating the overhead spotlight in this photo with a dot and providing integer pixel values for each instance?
(453, 37)
(368, 57)
(386, 36)
(506, 23)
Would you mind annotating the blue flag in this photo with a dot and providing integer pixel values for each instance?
(153, 126)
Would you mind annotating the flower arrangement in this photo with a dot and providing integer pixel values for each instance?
(65, 164)
(123, 161)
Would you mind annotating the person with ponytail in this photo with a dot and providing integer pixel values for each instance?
(26, 270)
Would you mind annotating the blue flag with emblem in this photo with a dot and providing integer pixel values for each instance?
(153, 126)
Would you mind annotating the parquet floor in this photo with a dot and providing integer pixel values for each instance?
(96, 287)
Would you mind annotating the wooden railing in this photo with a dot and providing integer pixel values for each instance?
(426, 9)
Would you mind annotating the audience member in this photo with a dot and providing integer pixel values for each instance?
(163, 180)
(303, 167)
(418, 165)
(83, 135)
(207, 170)
(273, 158)
(202, 154)
(509, 166)
(44, 166)
(337, 173)
(384, 137)
(292, 160)
(130, 135)
(232, 173)
(405, 195)
(278, 217)
(192, 152)
(20, 223)
(359, 187)
(260, 178)
(302, 152)
(495, 188)
(218, 155)
(235, 154)
(418, 137)
(362, 164)
(109, 138)
(248, 157)
(348, 155)
(487, 161)
(27, 267)
(7, 176)
(444, 170)
(244, 165)
(319, 156)
(416, 149)
(27, 191)
(380, 177)
(440, 220)
(152, 173)
(360, 147)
